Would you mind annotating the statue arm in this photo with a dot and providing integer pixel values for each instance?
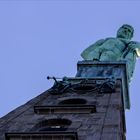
(135, 46)
(91, 52)
(131, 61)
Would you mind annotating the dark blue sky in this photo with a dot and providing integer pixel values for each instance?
(41, 38)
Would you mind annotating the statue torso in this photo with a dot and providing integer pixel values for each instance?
(115, 46)
(114, 43)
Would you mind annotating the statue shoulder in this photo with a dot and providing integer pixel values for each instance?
(98, 43)
(92, 47)
(110, 38)
(134, 43)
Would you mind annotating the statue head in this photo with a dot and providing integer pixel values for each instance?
(125, 31)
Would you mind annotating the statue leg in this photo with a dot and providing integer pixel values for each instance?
(108, 56)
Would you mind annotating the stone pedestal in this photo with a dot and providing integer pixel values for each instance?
(89, 106)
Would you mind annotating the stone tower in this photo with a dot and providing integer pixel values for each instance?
(89, 106)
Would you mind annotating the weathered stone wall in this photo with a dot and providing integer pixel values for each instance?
(106, 122)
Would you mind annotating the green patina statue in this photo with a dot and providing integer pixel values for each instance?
(115, 49)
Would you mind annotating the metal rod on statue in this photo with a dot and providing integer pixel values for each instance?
(54, 78)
